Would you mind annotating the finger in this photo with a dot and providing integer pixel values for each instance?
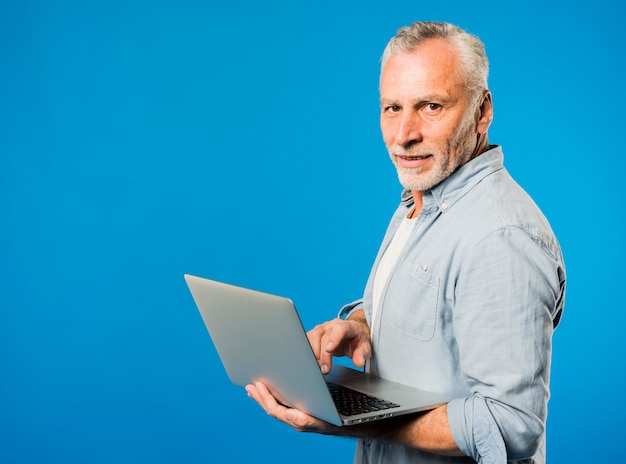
(253, 393)
(333, 335)
(290, 416)
(323, 344)
(315, 341)
(329, 343)
(260, 393)
(362, 354)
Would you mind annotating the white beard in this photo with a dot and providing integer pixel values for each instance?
(463, 143)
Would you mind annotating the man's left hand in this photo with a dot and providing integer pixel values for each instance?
(293, 417)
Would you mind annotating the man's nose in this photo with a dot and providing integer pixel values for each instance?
(409, 130)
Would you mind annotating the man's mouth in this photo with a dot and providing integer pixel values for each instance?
(412, 161)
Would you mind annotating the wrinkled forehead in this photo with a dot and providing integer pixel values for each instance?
(432, 65)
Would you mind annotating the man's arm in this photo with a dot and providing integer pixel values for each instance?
(427, 431)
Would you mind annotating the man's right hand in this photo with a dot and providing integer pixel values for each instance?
(339, 337)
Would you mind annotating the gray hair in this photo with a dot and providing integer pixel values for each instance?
(474, 62)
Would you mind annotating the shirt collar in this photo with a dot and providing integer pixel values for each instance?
(445, 194)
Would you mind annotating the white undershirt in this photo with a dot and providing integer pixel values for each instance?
(388, 262)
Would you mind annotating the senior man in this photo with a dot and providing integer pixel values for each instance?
(468, 284)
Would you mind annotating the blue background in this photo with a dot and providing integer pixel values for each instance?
(141, 140)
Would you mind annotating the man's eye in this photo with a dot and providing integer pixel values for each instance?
(433, 106)
(393, 108)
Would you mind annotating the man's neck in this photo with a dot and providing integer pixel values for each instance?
(482, 145)
(417, 204)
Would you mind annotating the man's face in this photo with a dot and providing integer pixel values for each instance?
(428, 123)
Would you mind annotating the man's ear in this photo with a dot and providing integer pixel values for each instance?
(485, 113)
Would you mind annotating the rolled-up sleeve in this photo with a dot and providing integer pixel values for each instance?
(476, 431)
(509, 297)
(350, 308)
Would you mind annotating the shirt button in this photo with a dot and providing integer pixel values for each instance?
(444, 205)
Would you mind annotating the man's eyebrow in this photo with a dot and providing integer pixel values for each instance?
(420, 100)
(432, 97)
(387, 101)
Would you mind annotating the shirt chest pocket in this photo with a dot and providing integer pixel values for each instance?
(410, 304)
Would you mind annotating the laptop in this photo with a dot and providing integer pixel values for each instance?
(259, 337)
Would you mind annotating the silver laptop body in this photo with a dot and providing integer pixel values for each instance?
(259, 337)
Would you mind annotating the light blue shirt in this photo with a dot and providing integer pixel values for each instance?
(469, 311)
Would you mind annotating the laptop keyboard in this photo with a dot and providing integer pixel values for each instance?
(351, 402)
